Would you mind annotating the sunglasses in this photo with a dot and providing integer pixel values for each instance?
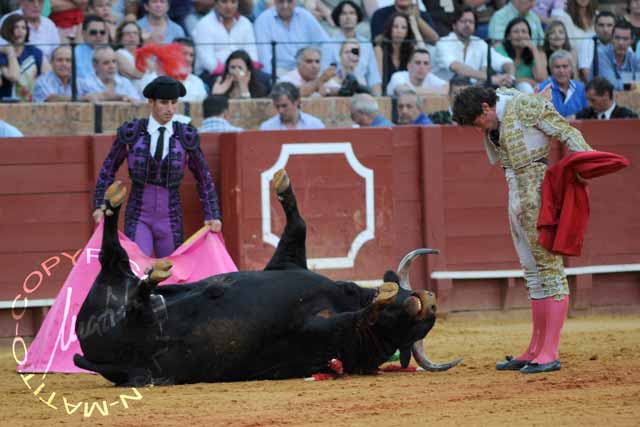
(97, 32)
(355, 51)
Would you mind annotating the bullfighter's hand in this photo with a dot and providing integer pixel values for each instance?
(98, 214)
(214, 224)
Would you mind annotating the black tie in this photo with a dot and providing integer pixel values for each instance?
(595, 56)
(160, 145)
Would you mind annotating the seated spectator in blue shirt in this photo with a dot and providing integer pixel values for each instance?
(567, 95)
(94, 33)
(106, 84)
(55, 86)
(425, 24)
(616, 61)
(286, 101)
(293, 27)
(8, 131)
(215, 110)
(157, 24)
(366, 113)
(410, 108)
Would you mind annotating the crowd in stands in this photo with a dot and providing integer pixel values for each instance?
(573, 51)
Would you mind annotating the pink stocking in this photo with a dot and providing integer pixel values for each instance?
(555, 315)
(537, 334)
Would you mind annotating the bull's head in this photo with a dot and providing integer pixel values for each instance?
(416, 307)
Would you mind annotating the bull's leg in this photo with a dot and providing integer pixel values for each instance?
(113, 257)
(291, 252)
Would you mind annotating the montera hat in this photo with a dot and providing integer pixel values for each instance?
(164, 87)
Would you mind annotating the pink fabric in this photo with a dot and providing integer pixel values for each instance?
(537, 335)
(555, 313)
(55, 344)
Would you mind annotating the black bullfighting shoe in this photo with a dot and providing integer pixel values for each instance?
(537, 368)
(511, 364)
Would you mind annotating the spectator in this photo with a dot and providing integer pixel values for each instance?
(602, 105)
(410, 108)
(128, 39)
(94, 33)
(103, 8)
(292, 27)
(42, 31)
(498, 26)
(219, 33)
(604, 31)
(345, 82)
(423, 20)
(286, 101)
(215, 110)
(156, 22)
(183, 13)
(464, 54)
(633, 18)
(555, 38)
(531, 65)
(20, 63)
(55, 86)
(578, 19)
(443, 13)
(106, 84)
(347, 16)
(418, 76)
(567, 95)
(456, 85)
(546, 9)
(8, 131)
(366, 113)
(239, 78)
(68, 15)
(484, 11)
(394, 47)
(366, 10)
(306, 76)
(616, 61)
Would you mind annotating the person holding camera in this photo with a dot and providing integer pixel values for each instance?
(345, 82)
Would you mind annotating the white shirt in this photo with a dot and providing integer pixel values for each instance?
(210, 30)
(295, 79)
(431, 83)
(152, 128)
(45, 37)
(305, 121)
(607, 114)
(450, 49)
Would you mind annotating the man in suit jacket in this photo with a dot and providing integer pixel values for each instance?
(601, 103)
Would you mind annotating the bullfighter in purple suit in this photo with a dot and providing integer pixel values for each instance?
(157, 150)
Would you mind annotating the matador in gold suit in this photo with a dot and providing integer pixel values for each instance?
(518, 131)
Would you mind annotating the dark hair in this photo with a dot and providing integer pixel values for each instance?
(120, 29)
(88, 19)
(605, 14)
(214, 105)
(407, 45)
(573, 11)
(622, 24)
(467, 106)
(418, 50)
(601, 86)
(337, 11)
(186, 41)
(9, 24)
(285, 89)
(547, 45)
(527, 55)
(459, 11)
(256, 89)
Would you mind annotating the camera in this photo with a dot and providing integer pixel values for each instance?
(350, 86)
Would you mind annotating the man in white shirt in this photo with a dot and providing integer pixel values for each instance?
(221, 32)
(286, 101)
(306, 76)
(464, 54)
(106, 84)
(418, 76)
(42, 31)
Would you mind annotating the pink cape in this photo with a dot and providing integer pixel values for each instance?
(203, 255)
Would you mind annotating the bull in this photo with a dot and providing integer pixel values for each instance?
(282, 322)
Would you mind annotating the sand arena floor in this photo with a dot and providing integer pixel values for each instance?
(599, 384)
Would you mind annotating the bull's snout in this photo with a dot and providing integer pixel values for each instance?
(421, 304)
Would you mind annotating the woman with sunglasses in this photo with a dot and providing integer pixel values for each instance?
(20, 63)
(128, 39)
(345, 73)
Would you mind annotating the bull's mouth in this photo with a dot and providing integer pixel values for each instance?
(427, 304)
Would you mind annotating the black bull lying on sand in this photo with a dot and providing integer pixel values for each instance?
(283, 322)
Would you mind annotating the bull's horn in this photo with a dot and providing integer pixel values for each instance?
(405, 264)
(421, 359)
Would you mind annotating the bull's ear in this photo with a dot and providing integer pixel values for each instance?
(391, 276)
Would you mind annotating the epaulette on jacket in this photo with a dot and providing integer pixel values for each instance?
(129, 132)
(188, 136)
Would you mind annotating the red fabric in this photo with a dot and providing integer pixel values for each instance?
(67, 18)
(564, 212)
(170, 60)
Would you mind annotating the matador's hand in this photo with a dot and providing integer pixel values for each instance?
(214, 225)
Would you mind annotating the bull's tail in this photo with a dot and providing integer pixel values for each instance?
(291, 252)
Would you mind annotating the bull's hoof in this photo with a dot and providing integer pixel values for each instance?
(280, 181)
(160, 271)
(386, 293)
(116, 194)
